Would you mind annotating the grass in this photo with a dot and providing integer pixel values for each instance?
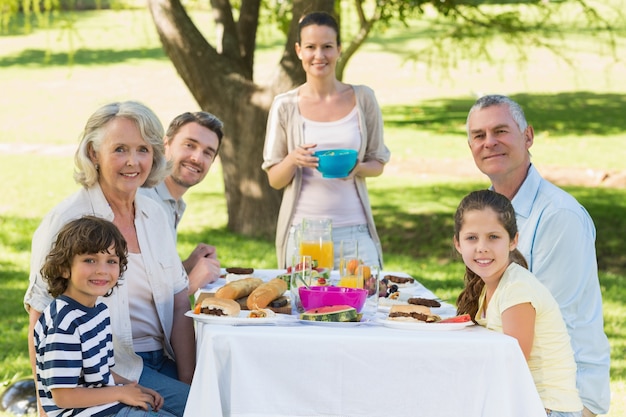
(578, 118)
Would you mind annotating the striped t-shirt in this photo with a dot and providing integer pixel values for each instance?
(74, 348)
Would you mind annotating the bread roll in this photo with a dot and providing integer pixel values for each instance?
(410, 308)
(239, 288)
(220, 307)
(266, 293)
(412, 312)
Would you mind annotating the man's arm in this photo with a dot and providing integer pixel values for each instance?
(202, 267)
(183, 338)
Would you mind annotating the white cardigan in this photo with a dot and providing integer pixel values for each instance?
(285, 132)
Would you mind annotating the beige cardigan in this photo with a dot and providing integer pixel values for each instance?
(285, 132)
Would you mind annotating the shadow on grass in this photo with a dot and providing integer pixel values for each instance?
(234, 250)
(607, 208)
(416, 222)
(14, 280)
(405, 229)
(569, 113)
(40, 58)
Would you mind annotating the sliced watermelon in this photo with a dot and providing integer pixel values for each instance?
(331, 313)
(457, 319)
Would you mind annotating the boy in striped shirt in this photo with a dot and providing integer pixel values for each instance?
(73, 339)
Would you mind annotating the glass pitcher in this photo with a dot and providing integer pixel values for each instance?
(316, 241)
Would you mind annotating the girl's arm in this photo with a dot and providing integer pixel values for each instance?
(519, 321)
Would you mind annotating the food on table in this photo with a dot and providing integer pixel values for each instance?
(339, 313)
(265, 293)
(383, 287)
(280, 302)
(235, 274)
(399, 280)
(388, 301)
(321, 252)
(391, 292)
(243, 302)
(351, 276)
(352, 266)
(261, 313)
(286, 278)
(238, 289)
(463, 318)
(351, 281)
(239, 271)
(411, 312)
(367, 272)
(424, 302)
(221, 307)
(319, 276)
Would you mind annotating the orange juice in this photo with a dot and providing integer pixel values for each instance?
(320, 251)
(351, 281)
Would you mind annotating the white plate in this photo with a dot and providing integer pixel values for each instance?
(334, 323)
(399, 274)
(416, 325)
(241, 320)
(385, 308)
(264, 274)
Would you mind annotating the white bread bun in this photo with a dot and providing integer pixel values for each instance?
(220, 307)
(411, 312)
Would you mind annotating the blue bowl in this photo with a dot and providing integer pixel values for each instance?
(336, 163)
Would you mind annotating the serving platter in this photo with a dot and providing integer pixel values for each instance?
(241, 320)
(417, 325)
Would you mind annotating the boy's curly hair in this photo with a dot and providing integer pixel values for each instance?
(86, 235)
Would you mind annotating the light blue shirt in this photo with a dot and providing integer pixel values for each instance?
(174, 209)
(557, 237)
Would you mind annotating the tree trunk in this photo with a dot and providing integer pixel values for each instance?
(221, 80)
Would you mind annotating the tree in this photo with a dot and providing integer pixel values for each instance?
(221, 78)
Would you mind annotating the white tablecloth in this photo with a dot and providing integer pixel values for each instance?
(367, 370)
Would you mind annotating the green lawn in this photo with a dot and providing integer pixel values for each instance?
(578, 118)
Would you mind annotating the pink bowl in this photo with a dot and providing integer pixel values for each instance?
(315, 297)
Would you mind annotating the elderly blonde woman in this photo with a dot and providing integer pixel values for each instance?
(121, 149)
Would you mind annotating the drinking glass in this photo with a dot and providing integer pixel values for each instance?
(349, 274)
(371, 282)
(300, 276)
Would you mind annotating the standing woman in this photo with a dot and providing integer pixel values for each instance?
(122, 149)
(324, 113)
